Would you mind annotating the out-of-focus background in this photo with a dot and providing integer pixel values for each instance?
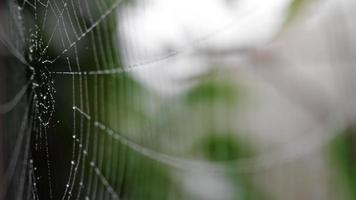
(178, 99)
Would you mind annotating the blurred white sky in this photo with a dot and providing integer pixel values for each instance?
(152, 29)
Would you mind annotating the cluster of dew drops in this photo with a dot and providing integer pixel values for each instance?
(42, 81)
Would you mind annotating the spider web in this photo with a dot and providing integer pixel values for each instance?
(89, 176)
(86, 177)
(91, 131)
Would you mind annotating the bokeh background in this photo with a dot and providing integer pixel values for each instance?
(177, 99)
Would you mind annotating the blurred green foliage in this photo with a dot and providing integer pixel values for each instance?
(343, 156)
(210, 91)
(294, 9)
(223, 147)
